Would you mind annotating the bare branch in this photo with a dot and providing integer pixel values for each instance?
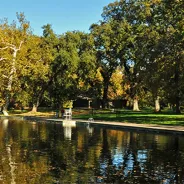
(4, 48)
(20, 45)
(2, 59)
(11, 46)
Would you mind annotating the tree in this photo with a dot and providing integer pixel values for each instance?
(41, 55)
(155, 39)
(173, 38)
(122, 15)
(49, 50)
(73, 67)
(13, 37)
(35, 76)
(107, 60)
(163, 51)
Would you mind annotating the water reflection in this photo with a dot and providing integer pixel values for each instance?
(89, 129)
(11, 164)
(32, 152)
(4, 124)
(68, 125)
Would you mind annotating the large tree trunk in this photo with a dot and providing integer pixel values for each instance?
(60, 115)
(37, 100)
(10, 77)
(105, 93)
(157, 104)
(5, 106)
(105, 98)
(9, 85)
(5, 112)
(34, 108)
(178, 111)
(35, 105)
(135, 104)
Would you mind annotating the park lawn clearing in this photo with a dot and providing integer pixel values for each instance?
(124, 116)
(135, 117)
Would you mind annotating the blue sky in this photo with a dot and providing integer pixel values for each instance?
(64, 15)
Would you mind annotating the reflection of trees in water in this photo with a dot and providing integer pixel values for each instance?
(105, 170)
(160, 164)
(41, 154)
(141, 163)
(16, 152)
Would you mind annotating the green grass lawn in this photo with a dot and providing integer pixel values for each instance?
(144, 117)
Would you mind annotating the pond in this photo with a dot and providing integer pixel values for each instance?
(48, 152)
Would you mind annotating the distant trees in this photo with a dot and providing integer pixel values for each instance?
(135, 52)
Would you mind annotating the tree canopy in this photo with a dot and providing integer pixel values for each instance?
(134, 53)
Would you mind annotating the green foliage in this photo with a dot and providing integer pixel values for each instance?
(142, 38)
(153, 53)
(68, 104)
(73, 67)
(13, 41)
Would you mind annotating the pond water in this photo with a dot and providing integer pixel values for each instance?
(48, 152)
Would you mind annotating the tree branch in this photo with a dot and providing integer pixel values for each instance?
(11, 46)
(2, 59)
(4, 76)
(20, 45)
(4, 48)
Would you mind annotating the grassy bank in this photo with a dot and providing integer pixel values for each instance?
(144, 116)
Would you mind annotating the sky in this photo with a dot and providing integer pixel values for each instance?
(63, 15)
